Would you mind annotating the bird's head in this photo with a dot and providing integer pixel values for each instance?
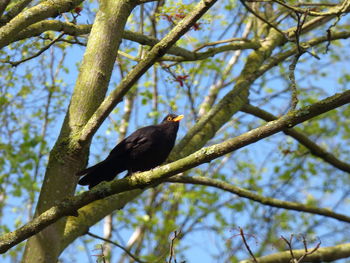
(172, 118)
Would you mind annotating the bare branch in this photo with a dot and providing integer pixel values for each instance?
(263, 19)
(200, 180)
(246, 245)
(172, 244)
(117, 245)
(314, 148)
(42, 50)
(219, 42)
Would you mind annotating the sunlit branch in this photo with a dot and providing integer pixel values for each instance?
(15, 10)
(336, 10)
(33, 15)
(181, 54)
(219, 42)
(324, 254)
(3, 5)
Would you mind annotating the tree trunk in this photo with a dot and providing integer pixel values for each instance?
(68, 156)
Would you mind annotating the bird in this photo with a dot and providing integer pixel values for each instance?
(144, 149)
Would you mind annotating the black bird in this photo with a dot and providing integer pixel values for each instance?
(143, 150)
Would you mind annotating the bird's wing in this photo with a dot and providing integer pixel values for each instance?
(136, 140)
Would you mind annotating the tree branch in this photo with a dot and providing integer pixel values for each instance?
(325, 254)
(32, 15)
(78, 30)
(15, 10)
(314, 148)
(71, 205)
(335, 10)
(3, 5)
(200, 180)
(243, 2)
(117, 245)
(42, 50)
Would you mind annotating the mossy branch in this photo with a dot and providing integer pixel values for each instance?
(32, 15)
(71, 205)
(324, 254)
(181, 54)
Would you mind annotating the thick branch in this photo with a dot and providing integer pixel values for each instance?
(324, 254)
(78, 30)
(304, 140)
(144, 179)
(3, 5)
(15, 10)
(256, 197)
(32, 15)
(181, 54)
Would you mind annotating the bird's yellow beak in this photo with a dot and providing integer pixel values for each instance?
(178, 118)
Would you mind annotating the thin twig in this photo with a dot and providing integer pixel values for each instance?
(313, 147)
(263, 19)
(182, 83)
(301, 21)
(99, 256)
(329, 33)
(306, 250)
(293, 85)
(246, 244)
(289, 243)
(219, 42)
(16, 63)
(172, 250)
(117, 245)
(290, 246)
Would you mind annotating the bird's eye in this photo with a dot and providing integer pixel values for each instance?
(169, 118)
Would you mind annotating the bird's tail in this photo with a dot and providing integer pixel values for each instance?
(103, 171)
